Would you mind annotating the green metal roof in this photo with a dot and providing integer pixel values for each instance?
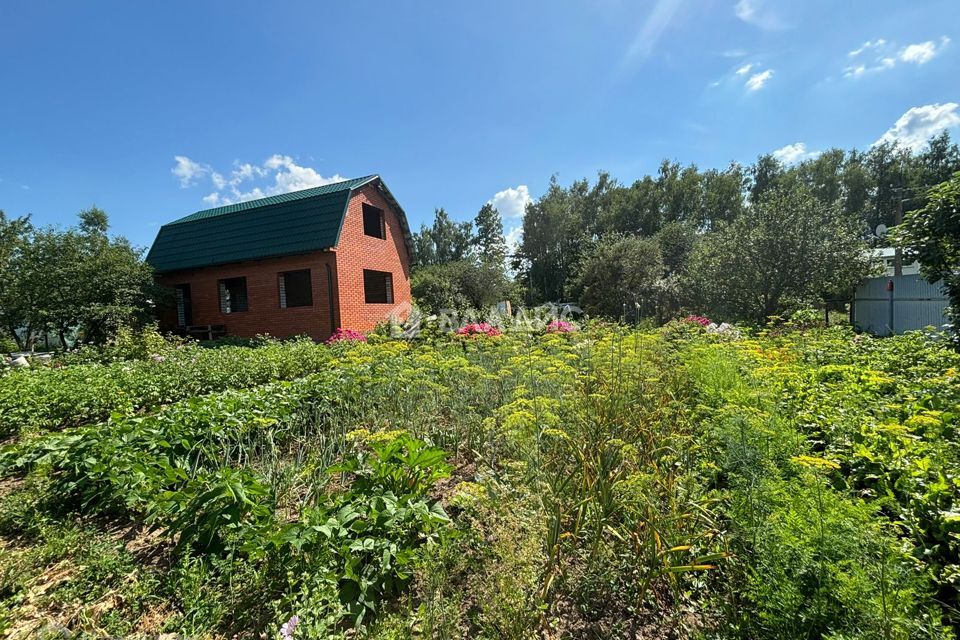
(284, 224)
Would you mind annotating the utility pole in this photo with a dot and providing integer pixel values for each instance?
(897, 251)
(898, 219)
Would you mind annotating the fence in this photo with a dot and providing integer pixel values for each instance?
(889, 305)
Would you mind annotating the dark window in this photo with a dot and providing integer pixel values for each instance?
(184, 305)
(377, 286)
(295, 289)
(373, 222)
(233, 295)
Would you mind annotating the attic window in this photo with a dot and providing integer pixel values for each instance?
(295, 289)
(373, 222)
(233, 295)
(377, 287)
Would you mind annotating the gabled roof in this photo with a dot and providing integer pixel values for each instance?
(279, 225)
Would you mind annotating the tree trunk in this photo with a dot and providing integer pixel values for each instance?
(16, 338)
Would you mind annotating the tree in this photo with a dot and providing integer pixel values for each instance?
(766, 174)
(451, 240)
(489, 243)
(618, 271)
(634, 210)
(723, 196)
(932, 233)
(887, 165)
(445, 241)
(423, 252)
(75, 282)
(461, 285)
(681, 192)
(554, 235)
(14, 288)
(786, 250)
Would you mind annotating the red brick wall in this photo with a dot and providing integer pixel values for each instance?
(357, 252)
(354, 253)
(263, 294)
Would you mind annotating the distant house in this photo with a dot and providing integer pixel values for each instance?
(886, 256)
(891, 304)
(300, 263)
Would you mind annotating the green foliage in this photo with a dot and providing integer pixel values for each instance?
(682, 205)
(461, 286)
(446, 241)
(15, 295)
(369, 535)
(491, 248)
(58, 396)
(77, 283)
(606, 483)
(619, 271)
(785, 251)
(933, 234)
(126, 344)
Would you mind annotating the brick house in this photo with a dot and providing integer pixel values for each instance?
(300, 263)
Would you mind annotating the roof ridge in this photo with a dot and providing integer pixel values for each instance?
(277, 198)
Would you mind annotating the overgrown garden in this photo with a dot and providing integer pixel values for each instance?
(601, 482)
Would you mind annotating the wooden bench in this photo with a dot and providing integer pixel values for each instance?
(206, 331)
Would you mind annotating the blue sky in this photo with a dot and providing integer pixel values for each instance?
(155, 110)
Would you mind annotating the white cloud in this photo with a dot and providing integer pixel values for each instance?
(887, 56)
(923, 52)
(290, 176)
(756, 12)
(188, 171)
(513, 237)
(745, 69)
(915, 127)
(512, 203)
(869, 44)
(855, 71)
(282, 172)
(757, 80)
(793, 153)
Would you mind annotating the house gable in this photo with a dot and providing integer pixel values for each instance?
(358, 253)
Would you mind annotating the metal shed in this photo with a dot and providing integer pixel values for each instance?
(889, 305)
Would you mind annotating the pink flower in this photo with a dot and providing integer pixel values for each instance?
(560, 326)
(288, 627)
(700, 320)
(478, 329)
(346, 335)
